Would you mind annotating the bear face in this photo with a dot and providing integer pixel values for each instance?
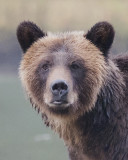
(62, 73)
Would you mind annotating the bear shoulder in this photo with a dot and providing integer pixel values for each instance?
(121, 61)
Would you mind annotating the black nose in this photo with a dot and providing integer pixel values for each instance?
(59, 88)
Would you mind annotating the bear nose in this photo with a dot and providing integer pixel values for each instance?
(59, 88)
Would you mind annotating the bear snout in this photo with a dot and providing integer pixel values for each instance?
(59, 89)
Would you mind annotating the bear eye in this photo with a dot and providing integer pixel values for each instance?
(74, 66)
(46, 66)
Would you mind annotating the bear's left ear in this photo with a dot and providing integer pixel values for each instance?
(28, 33)
(101, 35)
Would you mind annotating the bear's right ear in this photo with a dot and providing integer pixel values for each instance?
(28, 33)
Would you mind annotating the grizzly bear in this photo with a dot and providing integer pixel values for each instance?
(80, 90)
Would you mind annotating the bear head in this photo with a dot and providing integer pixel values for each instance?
(63, 73)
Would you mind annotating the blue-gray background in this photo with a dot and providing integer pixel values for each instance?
(23, 135)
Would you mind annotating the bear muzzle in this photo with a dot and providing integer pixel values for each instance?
(59, 89)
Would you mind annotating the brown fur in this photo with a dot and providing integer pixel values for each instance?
(94, 124)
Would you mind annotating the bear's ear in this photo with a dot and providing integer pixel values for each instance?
(101, 35)
(28, 33)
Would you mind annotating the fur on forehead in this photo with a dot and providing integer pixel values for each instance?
(71, 42)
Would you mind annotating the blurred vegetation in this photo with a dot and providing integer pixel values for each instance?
(58, 15)
(64, 15)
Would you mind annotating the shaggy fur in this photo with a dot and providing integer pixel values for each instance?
(94, 119)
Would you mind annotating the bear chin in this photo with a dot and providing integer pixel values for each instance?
(60, 110)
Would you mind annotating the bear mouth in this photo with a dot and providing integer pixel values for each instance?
(59, 107)
(59, 102)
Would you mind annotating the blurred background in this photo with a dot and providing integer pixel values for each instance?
(23, 135)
